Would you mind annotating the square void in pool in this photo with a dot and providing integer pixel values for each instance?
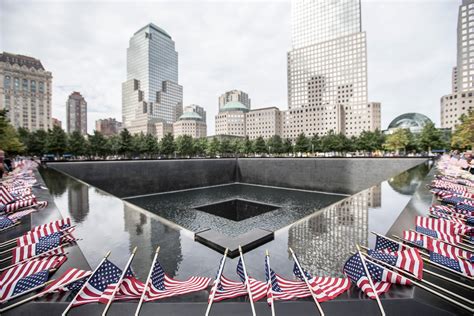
(237, 209)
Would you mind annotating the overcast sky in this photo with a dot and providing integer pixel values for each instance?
(224, 45)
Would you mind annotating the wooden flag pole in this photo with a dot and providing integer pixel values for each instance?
(321, 312)
(269, 276)
(147, 281)
(427, 288)
(247, 282)
(382, 311)
(124, 271)
(26, 300)
(428, 261)
(84, 285)
(439, 288)
(437, 264)
(214, 288)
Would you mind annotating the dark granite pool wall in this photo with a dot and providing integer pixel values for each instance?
(130, 178)
(337, 175)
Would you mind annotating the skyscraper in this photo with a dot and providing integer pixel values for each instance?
(151, 92)
(76, 113)
(25, 91)
(461, 99)
(327, 70)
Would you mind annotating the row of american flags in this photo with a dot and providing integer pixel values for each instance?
(442, 239)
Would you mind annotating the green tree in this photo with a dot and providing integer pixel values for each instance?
(213, 147)
(248, 146)
(260, 146)
(97, 144)
(77, 144)
(329, 142)
(431, 138)
(9, 140)
(200, 146)
(225, 147)
(275, 144)
(370, 141)
(56, 141)
(398, 140)
(302, 143)
(167, 145)
(463, 136)
(125, 142)
(237, 146)
(37, 142)
(315, 143)
(151, 145)
(114, 144)
(287, 146)
(185, 145)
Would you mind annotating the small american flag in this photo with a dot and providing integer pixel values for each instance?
(467, 209)
(384, 244)
(227, 289)
(325, 288)
(48, 244)
(20, 204)
(409, 260)
(463, 266)
(5, 196)
(27, 283)
(381, 277)
(130, 288)
(161, 285)
(37, 232)
(20, 214)
(107, 273)
(257, 288)
(449, 238)
(71, 280)
(6, 222)
(10, 277)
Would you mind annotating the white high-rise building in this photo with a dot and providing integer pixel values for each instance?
(151, 91)
(461, 99)
(327, 70)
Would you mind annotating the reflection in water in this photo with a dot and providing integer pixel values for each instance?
(407, 182)
(78, 201)
(327, 239)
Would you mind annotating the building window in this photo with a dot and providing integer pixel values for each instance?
(16, 84)
(7, 82)
(24, 85)
(33, 86)
(41, 86)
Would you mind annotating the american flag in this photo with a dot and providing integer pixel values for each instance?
(107, 273)
(463, 266)
(71, 280)
(161, 285)
(325, 288)
(409, 260)
(383, 244)
(130, 288)
(6, 222)
(49, 244)
(436, 246)
(381, 277)
(5, 196)
(449, 238)
(20, 214)
(27, 283)
(449, 210)
(17, 205)
(43, 230)
(34, 237)
(257, 288)
(10, 277)
(227, 289)
(467, 209)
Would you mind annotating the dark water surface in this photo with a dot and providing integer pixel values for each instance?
(323, 236)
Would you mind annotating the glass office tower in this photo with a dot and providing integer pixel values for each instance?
(327, 70)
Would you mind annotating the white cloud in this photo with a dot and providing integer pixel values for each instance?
(227, 45)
